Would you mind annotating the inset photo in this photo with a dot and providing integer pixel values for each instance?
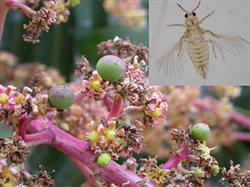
(199, 42)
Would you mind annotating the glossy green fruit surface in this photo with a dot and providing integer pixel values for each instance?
(61, 97)
(200, 131)
(111, 68)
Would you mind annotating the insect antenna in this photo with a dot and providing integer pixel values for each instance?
(182, 8)
(197, 6)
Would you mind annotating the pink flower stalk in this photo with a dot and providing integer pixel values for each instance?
(241, 136)
(45, 132)
(177, 158)
(16, 4)
(117, 107)
(235, 116)
(241, 119)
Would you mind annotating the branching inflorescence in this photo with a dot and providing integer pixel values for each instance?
(51, 12)
(110, 112)
(107, 120)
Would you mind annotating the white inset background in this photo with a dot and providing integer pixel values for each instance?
(231, 17)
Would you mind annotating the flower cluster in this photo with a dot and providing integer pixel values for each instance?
(129, 12)
(148, 101)
(52, 12)
(125, 50)
(13, 149)
(13, 153)
(235, 177)
(40, 22)
(190, 163)
(105, 137)
(189, 104)
(116, 118)
(15, 103)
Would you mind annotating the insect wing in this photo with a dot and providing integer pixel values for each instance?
(230, 43)
(172, 61)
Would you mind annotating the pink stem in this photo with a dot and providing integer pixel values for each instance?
(235, 116)
(23, 126)
(241, 136)
(3, 13)
(241, 119)
(107, 102)
(202, 105)
(116, 107)
(19, 5)
(177, 158)
(80, 151)
(45, 136)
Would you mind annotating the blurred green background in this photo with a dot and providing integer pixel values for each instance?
(88, 25)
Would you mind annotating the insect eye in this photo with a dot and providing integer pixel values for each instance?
(186, 15)
(194, 14)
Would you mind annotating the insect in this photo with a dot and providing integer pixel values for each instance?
(198, 42)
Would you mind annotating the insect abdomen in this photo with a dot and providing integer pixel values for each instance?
(199, 53)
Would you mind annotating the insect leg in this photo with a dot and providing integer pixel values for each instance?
(215, 43)
(176, 25)
(212, 33)
(207, 16)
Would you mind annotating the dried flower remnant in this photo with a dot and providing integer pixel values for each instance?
(51, 12)
(13, 153)
(235, 177)
(14, 149)
(134, 136)
(26, 103)
(149, 169)
(83, 68)
(42, 178)
(124, 49)
(40, 22)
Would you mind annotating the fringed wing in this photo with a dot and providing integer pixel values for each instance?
(172, 61)
(230, 43)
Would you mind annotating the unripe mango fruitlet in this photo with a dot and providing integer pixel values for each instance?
(200, 131)
(61, 97)
(104, 159)
(111, 68)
